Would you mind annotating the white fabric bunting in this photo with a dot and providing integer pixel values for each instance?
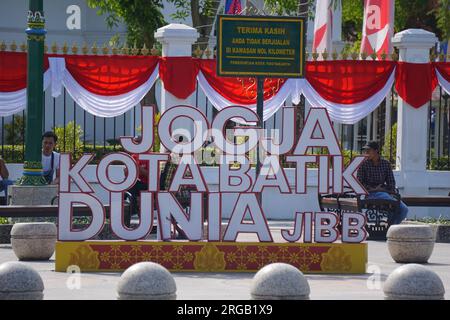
(443, 83)
(15, 102)
(97, 105)
(343, 113)
(271, 106)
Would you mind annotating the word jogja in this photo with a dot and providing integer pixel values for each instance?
(241, 180)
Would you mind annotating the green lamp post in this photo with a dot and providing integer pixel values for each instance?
(32, 173)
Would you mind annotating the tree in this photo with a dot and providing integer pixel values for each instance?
(202, 12)
(431, 15)
(142, 18)
(443, 18)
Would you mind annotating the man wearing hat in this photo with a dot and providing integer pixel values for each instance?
(377, 177)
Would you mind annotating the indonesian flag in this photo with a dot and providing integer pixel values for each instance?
(323, 26)
(378, 26)
(233, 7)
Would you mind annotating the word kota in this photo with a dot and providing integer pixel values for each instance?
(231, 180)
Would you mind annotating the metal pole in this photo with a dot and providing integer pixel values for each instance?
(35, 88)
(260, 112)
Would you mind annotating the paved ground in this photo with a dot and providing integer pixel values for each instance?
(237, 286)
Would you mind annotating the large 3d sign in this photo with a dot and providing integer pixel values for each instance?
(235, 175)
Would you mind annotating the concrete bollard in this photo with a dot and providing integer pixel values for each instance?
(20, 282)
(280, 281)
(413, 282)
(33, 241)
(147, 281)
(410, 243)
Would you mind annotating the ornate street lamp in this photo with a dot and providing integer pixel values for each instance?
(32, 174)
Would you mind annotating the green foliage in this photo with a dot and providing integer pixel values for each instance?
(415, 14)
(142, 18)
(202, 12)
(288, 7)
(156, 141)
(205, 8)
(69, 139)
(443, 18)
(12, 154)
(4, 221)
(445, 220)
(440, 164)
(386, 152)
(352, 21)
(303, 8)
(14, 131)
(429, 15)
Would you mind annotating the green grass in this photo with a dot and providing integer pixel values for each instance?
(445, 220)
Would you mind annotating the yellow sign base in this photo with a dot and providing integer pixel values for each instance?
(181, 256)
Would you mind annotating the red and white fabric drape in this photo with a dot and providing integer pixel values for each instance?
(349, 91)
(13, 82)
(443, 75)
(104, 87)
(109, 86)
(224, 92)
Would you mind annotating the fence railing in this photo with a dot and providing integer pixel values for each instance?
(438, 155)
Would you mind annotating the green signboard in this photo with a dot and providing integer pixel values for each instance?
(261, 46)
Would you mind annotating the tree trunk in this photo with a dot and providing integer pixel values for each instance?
(202, 22)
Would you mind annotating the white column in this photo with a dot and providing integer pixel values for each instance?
(412, 131)
(177, 41)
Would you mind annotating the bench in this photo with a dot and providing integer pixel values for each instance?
(426, 201)
(45, 211)
(51, 211)
(379, 213)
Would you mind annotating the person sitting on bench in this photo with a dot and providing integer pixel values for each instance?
(50, 158)
(377, 177)
(4, 175)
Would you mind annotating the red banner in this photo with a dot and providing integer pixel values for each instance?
(112, 75)
(13, 71)
(415, 82)
(179, 75)
(348, 82)
(378, 26)
(238, 90)
(444, 69)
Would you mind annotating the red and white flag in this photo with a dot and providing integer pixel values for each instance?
(378, 26)
(323, 26)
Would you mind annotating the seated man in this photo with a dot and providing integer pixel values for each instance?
(50, 158)
(377, 177)
(4, 175)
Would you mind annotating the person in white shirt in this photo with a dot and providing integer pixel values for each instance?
(50, 158)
